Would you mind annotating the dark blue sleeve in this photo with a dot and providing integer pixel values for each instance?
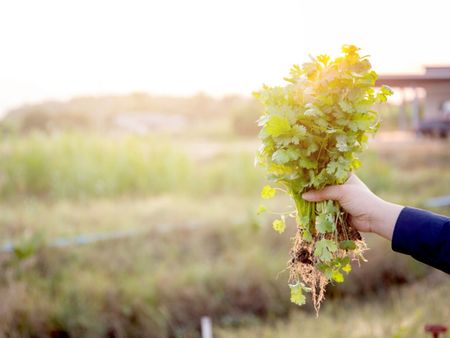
(425, 236)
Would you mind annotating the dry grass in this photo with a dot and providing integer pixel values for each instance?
(400, 313)
(204, 250)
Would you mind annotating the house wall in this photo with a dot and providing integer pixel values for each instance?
(436, 95)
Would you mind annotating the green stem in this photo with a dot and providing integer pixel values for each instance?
(305, 208)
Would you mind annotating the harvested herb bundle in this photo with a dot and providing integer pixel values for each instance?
(312, 130)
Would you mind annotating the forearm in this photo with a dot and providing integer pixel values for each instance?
(419, 233)
(424, 236)
(385, 215)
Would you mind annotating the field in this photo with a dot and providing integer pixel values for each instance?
(193, 244)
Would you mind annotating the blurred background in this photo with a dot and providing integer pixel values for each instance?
(127, 185)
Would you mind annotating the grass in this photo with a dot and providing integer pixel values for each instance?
(160, 283)
(163, 277)
(396, 315)
(76, 166)
(68, 218)
(203, 250)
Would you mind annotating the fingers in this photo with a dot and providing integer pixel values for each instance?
(333, 192)
(353, 179)
(356, 181)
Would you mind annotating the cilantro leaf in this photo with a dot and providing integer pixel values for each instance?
(312, 131)
(325, 223)
(347, 268)
(297, 296)
(277, 125)
(337, 276)
(280, 156)
(279, 225)
(324, 249)
(347, 245)
(268, 192)
(261, 209)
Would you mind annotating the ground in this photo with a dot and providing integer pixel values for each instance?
(200, 247)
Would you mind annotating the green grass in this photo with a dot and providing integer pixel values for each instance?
(161, 282)
(65, 218)
(203, 250)
(74, 166)
(401, 313)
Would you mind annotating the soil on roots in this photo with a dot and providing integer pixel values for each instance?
(303, 265)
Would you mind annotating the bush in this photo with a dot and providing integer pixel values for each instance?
(244, 119)
(72, 165)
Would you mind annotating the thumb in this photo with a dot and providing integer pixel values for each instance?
(333, 192)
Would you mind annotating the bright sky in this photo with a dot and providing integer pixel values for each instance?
(58, 49)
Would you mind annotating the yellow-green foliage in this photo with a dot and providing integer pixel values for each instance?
(73, 165)
(312, 131)
(199, 254)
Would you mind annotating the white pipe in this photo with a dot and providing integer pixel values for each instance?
(206, 325)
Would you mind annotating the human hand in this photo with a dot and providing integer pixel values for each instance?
(368, 212)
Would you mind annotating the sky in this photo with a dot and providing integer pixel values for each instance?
(57, 49)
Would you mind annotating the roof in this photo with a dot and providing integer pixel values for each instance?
(432, 74)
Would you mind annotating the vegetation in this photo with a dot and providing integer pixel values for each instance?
(312, 131)
(101, 113)
(185, 260)
(396, 315)
(73, 165)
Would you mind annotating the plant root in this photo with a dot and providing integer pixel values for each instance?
(303, 266)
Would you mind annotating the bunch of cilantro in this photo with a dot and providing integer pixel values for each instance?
(312, 130)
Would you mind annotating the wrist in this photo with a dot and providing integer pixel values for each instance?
(385, 218)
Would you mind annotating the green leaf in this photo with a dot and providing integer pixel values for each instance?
(293, 153)
(268, 192)
(330, 208)
(285, 140)
(299, 130)
(303, 220)
(332, 167)
(312, 147)
(363, 107)
(297, 296)
(337, 276)
(347, 245)
(356, 163)
(364, 124)
(277, 125)
(261, 209)
(350, 49)
(346, 106)
(312, 111)
(280, 156)
(263, 120)
(324, 249)
(279, 225)
(319, 180)
(323, 58)
(343, 170)
(312, 130)
(338, 169)
(341, 174)
(324, 223)
(306, 235)
(347, 268)
(384, 92)
(307, 163)
(341, 143)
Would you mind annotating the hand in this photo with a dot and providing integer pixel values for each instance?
(368, 212)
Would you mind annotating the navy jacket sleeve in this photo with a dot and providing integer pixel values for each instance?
(425, 236)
